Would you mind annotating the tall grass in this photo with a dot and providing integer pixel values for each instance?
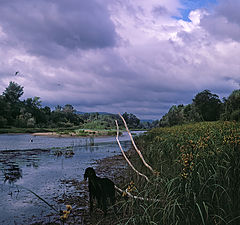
(199, 175)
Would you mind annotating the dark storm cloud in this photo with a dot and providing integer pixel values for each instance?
(50, 27)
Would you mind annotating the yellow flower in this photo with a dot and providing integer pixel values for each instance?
(64, 217)
(66, 212)
(69, 207)
(124, 194)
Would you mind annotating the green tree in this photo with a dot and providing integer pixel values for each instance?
(5, 109)
(232, 106)
(13, 92)
(68, 109)
(33, 106)
(208, 105)
(131, 120)
(11, 96)
(175, 115)
(191, 114)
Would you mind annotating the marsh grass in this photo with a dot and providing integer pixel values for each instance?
(199, 179)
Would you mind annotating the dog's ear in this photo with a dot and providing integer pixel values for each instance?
(86, 174)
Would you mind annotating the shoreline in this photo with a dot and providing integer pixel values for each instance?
(116, 169)
(55, 134)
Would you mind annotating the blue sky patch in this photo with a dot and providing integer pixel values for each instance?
(190, 5)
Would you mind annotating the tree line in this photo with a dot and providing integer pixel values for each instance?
(205, 106)
(29, 113)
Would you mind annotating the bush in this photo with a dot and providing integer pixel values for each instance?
(31, 122)
(235, 115)
(3, 122)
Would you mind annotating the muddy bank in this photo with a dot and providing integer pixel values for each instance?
(117, 170)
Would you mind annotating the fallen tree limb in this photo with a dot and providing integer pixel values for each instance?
(134, 196)
(134, 145)
(130, 164)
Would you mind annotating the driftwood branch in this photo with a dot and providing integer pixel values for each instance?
(134, 196)
(130, 164)
(134, 145)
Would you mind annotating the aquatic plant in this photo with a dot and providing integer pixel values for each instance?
(198, 179)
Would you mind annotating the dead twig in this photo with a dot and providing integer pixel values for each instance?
(130, 164)
(134, 145)
(134, 196)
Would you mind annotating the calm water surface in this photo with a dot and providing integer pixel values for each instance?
(36, 166)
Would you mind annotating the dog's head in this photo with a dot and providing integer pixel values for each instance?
(89, 172)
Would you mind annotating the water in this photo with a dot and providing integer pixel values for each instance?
(23, 141)
(39, 167)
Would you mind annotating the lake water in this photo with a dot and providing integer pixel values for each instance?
(41, 166)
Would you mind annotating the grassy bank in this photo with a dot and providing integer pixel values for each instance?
(198, 180)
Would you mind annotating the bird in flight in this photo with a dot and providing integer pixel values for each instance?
(16, 73)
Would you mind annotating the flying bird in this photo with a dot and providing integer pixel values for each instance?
(16, 73)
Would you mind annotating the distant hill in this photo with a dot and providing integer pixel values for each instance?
(101, 113)
(150, 121)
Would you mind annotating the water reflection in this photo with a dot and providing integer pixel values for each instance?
(11, 161)
(67, 153)
(12, 173)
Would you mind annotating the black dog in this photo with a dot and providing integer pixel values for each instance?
(99, 188)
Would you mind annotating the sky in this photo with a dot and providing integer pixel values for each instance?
(136, 56)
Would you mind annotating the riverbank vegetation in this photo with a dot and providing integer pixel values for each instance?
(197, 179)
(29, 116)
(205, 106)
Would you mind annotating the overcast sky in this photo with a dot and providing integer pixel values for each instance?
(138, 56)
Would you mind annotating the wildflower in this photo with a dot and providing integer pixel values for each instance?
(64, 217)
(69, 207)
(66, 212)
(124, 194)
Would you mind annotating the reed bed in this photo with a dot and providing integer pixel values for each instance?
(197, 179)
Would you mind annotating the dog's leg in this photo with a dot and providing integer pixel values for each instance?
(91, 202)
(99, 202)
(104, 204)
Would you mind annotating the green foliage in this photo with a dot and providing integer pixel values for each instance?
(208, 105)
(13, 92)
(131, 120)
(199, 175)
(205, 107)
(180, 115)
(232, 107)
(29, 113)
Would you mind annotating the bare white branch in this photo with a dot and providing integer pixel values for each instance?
(134, 145)
(134, 196)
(130, 164)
